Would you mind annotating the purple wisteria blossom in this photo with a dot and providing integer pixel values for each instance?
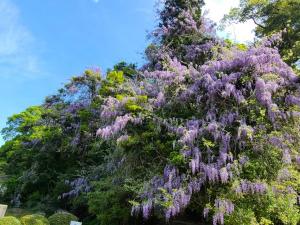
(79, 185)
(119, 124)
(250, 187)
(224, 207)
(111, 108)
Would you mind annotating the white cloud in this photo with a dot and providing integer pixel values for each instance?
(17, 52)
(238, 32)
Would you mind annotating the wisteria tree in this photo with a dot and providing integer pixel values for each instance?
(227, 117)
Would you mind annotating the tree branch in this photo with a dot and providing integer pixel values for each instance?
(256, 23)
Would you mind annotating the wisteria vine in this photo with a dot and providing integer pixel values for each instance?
(222, 93)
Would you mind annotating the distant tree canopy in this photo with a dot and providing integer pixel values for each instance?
(273, 16)
(207, 130)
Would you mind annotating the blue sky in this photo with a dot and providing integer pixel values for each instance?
(45, 42)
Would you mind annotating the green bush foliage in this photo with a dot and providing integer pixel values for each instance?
(62, 218)
(34, 219)
(9, 220)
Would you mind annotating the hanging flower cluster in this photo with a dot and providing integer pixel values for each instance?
(79, 185)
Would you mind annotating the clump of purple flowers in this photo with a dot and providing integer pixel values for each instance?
(224, 207)
(119, 124)
(79, 185)
(250, 187)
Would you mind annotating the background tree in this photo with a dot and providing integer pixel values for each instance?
(273, 16)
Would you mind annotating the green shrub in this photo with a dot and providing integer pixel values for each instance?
(34, 219)
(62, 218)
(9, 220)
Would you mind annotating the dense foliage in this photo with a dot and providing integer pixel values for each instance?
(206, 130)
(62, 218)
(34, 219)
(9, 220)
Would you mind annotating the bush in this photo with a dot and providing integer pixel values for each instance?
(62, 218)
(9, 220)
(34, 219)
(110, 203)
